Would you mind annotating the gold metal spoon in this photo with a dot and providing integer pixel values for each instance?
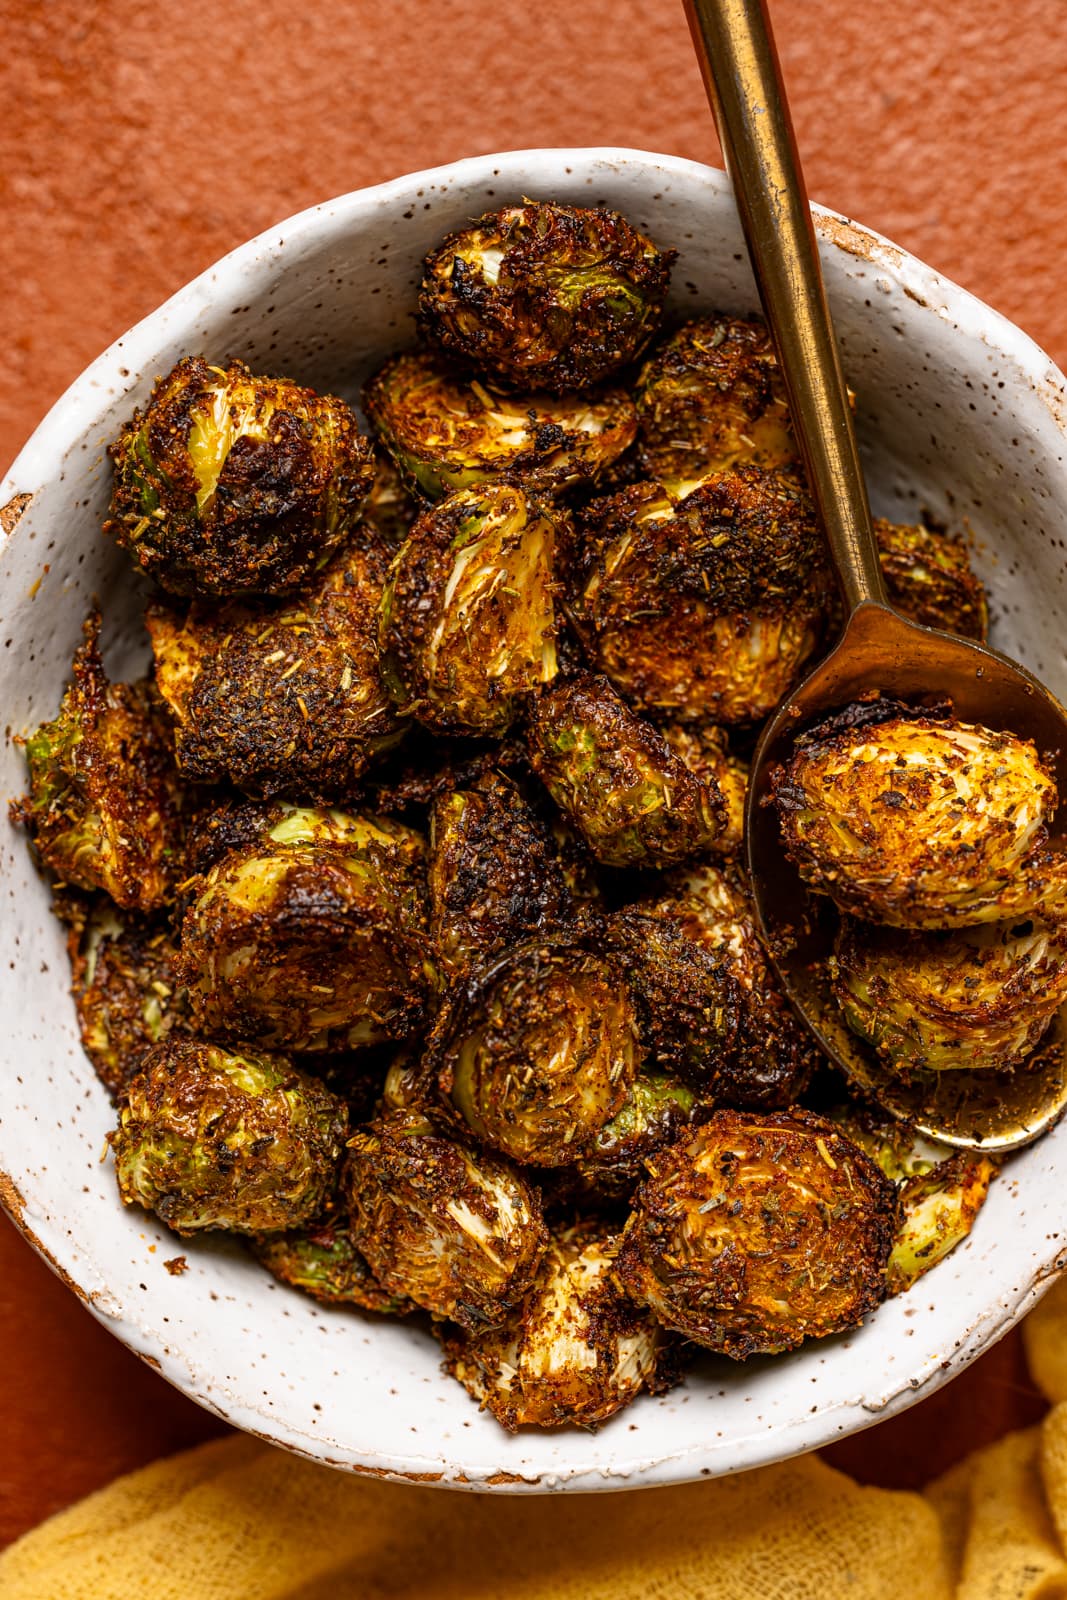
(879, 649)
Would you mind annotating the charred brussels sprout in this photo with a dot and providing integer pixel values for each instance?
(928, 577)
(710, 397)
(577, 1352)
(545, 296)
(228, 483)
(937, 1212)
(313, 936)
(688, 1004)
(210, 1138)
(915, 820)
(708, 608)
(707, 754)
(657, 1108)
(773, 1054)
(494, 879)
(321, 1260)
(634, 801)
(458, 1232)
(103, 806)
(756, 1232)
(446, 432)
(979, 998)
(467, 623)
(280, 698)
(538, 1050)
(126, 989)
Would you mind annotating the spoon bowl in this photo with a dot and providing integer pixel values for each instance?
(881, 650)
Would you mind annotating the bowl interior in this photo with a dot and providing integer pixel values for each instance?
(959, 416)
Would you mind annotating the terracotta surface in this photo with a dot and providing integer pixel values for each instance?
(140, 142)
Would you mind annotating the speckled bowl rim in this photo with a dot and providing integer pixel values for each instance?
(252, 264)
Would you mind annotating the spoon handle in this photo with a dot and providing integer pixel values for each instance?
(744, 85)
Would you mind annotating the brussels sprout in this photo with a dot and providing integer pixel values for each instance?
(577, 1352)
(688, 1003)
(467, 623)
(576, 861)
(929, 578)
(758, 1231)
(937, 1212)
(280, 698)
(228, 483)
(940, 1190)
(634, 801)
(447, 432)
(976, 998)
(210, 1138)
(389, 511)
(409, 1084)
(493, 876)
(707, 754)
(458, 1232)
(538, 1050)
(710, 397)
(126, 989)
(321, 1260)
(773, 1054)
(657, 1108)
(895, 1147)
(707, 609)
(312, 938)
(915, 819)
(103, 807)
(546, 296)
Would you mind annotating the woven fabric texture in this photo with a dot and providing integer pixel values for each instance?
(237, 1520)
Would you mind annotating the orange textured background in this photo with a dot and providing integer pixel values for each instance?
(141, 141)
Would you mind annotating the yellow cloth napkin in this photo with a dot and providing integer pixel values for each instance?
(238, 1520)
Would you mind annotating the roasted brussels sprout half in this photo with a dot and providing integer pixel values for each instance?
(706, 752)
(409, 1084)
(706, 609)
(937, 1212)
(467, 627)
(657, 1108)
(977, 998)
(228, 483)
(538, 1050)
(313, 937)
(915, 819)
(940, 1190)
(448, 432)
(545, 296)
(928, 577)
(321, 1260)
(755, 1232)
(458, 1232)
(280, 698)
(126, 989)
(709, 397)
(577, 1352)
(632, 798)
(688, 1003)
(773, 1054)
(213, 1138)
(103, 806)
(494, 879)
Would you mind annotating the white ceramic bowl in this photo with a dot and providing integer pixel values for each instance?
(959, 413)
